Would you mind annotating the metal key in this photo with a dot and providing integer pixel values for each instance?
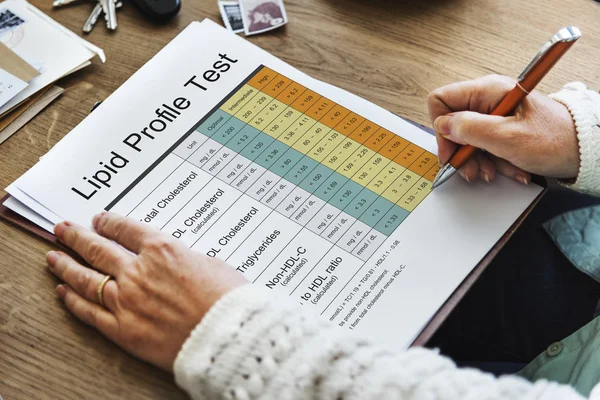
(61, 3)
(110, 13)
(93, 18)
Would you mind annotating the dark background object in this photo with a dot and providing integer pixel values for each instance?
(159, 10)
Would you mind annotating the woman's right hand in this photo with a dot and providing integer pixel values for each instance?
(540, 138)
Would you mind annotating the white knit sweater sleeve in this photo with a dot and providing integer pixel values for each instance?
(253, 345)
(584, 106)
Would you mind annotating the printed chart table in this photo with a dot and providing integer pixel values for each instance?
(286, 186)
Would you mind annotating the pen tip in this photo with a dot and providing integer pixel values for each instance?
(443, 175)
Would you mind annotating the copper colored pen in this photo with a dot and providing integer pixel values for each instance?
(543, 62)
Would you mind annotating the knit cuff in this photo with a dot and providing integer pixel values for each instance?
(196, 366)
(584, 106)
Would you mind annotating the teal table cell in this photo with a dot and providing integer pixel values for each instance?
(242, 138)
(228, 130)
(376, 211)
(316, 178)
(346, 194)
(391, 220)
(287, 162)
(257, 146)
(269, 157)
(330, 186)
(304, 167)
(213, 123)
(360, 203)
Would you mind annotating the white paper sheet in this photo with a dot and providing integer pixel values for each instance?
(383, 273)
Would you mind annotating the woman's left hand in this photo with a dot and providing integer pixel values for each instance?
(159, 292)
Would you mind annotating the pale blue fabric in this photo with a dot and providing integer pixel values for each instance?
(577, 234)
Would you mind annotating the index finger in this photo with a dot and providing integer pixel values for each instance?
(128, 232)
(480, 95)
(95, 249)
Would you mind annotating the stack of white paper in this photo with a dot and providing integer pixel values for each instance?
(44, 44)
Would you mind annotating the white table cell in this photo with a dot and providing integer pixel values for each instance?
(323, 219)
(170, 195)
(327, 280)
(294, 201)
(338, 227)
(233, 228)
(353, 236)
(204, 153)
(145, 187)
(369, 245)
(248, 177)
(235, 168)
(263, 245)
(190, 144)
(219, 161)
(308, 210)
(203, 210)
(297, 260)
(262, 185)
(278, 193)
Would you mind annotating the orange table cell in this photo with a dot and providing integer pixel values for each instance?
(262, 78)
(306, 101)
(430, 175)
(277, 85)
(392, 148)
(320, 108)
(379, 139)
(291, 93)
(423, 163)
(409, 155)
(349, 124)
(334, 116)
(364, 131)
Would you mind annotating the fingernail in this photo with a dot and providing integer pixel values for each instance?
(61, 291)
(51, 258)
(96, 219)
(60, 228)
(442, 124)
(467, 178)
(522, 179)
(486, 178)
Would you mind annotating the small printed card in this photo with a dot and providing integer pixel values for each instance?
(10, 86)
(232, 15)
(262, 15)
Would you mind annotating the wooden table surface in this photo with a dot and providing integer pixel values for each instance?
(390, 52)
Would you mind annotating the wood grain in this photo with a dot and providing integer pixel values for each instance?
(390, 52)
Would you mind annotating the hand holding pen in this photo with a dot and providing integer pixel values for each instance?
(538, 137)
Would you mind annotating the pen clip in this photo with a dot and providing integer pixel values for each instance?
(565, 35)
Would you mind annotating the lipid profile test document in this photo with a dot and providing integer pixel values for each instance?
(305, 189)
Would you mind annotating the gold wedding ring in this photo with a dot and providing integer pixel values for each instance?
(101, 289)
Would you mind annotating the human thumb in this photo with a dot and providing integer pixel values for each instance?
(489, 132)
